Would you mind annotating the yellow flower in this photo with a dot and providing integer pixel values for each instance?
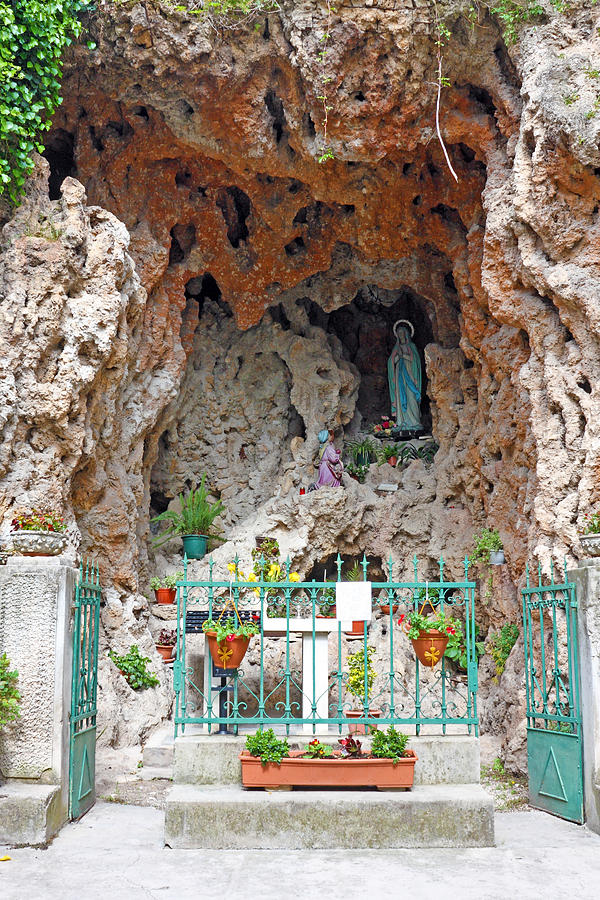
(294, 576)
(252, 576)
(274, 571)
(231, 567)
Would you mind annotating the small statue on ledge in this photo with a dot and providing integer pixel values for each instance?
(331, 466)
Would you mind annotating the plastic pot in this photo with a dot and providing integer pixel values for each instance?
(194, 545)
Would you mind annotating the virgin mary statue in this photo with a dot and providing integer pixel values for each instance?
(404, 376)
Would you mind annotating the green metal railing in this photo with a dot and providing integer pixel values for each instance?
(84, 690)
(274, 687)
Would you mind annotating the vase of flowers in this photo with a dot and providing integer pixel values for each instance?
(589, 537)
(38, 533)
(429, 635)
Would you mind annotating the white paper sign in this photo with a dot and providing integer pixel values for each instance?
(353, 601)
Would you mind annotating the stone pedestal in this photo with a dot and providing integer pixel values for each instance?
(36, 596)
(587, 581)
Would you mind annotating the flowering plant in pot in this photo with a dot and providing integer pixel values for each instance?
(589, 535)
(194, 524)
(385, 427)
(430, 634)
(268, 762)
(388, 454)
(166, 643)
(38, 533)
(360, 684)
(228, 640)
(165, 588)
(487, 552)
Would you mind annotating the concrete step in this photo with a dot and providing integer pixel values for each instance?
(159, 749)
(222, 818)
(30, 814)
(213, 758)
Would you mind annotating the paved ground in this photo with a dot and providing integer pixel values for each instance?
(116, 852)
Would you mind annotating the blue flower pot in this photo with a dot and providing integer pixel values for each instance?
(194, 545)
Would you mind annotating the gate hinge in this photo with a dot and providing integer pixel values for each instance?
(472, 676)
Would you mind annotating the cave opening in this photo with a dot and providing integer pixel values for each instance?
(60, 153)
(365, 329)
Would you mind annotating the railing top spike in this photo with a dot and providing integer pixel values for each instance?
(416, 566)
(390, 568)
(210, 568)
(288, 564)
(338, 563)
(365, 565)
(441, 565)
(87, 569)
(467, 563)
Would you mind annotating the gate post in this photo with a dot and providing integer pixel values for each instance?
(36, 595)
(587, 581)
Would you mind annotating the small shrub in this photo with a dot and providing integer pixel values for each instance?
(316, 750)
(167, 637)
(133, 666)
(266, 745)
(390, 744)
(356, 673)
(500, 643)
(10, 697)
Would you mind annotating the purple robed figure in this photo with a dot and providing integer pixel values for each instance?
(331, 467)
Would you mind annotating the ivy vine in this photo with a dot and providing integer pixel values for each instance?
(33, 35)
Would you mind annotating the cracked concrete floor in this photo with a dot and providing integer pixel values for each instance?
(117, 851)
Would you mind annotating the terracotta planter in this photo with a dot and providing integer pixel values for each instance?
(429, 647)
(360, 727)
(332, 772)
(385, 609)
(393, 461)
(38, 543)
(227, 654)
(165, 595)
(166, 651)
(331, 614)
(357, 630)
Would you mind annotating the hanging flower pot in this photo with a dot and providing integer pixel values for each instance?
(228, 640)
(229, 652)
(430, 646)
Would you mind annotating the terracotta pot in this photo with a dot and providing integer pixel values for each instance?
(430, 646)
(360, 727)
(227, 654)
(357, 630)
(165, 595)
(335, 771)
(331, 613)
(393, 461)
(385, 609)
(166, 651)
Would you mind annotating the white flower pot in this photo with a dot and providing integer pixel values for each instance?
(38, 543)
(496, 557)
(590, 544)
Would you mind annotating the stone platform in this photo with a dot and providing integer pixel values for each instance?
(30, 814)
(207, 807)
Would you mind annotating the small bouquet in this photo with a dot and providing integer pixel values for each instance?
(39, 521)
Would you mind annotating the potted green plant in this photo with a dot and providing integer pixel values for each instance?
(166, 643)
(362, 452)
(429, 635)
(268, 762)
(165, 589)
(487, 551)
(133, 667)
(360, 684)
(193, 523)
(358, 473)
(228, 640)
(589, 535)
(38, 533)
(10, 697)
(456, 649)
(388, 453)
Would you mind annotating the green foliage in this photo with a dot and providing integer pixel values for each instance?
(196, 517)
(168, 582)
(39, 521)
(512, 15)
(486, 541)
(10, 697)
(33, 35)
(230, 628)
(316, 750)
(390, 744)
(356, 673)
(358, 472)
(570, 99)
(500, 643)
(386, 451)
(362, 452)
(457, 648)
(267, 746)
(441, 621)
(133, 667)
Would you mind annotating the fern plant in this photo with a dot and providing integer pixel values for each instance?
(196, 517)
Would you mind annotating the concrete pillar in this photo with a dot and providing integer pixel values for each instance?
(36, 597)
(587, 581)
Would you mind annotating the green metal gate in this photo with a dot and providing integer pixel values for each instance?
(82, 740)
(554, 741)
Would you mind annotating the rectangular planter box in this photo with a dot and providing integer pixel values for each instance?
(294, 771)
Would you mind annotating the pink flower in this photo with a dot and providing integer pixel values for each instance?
(230, 637)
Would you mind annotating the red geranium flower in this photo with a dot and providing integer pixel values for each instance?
(450, 629)
(230, 637)
(401, 619)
